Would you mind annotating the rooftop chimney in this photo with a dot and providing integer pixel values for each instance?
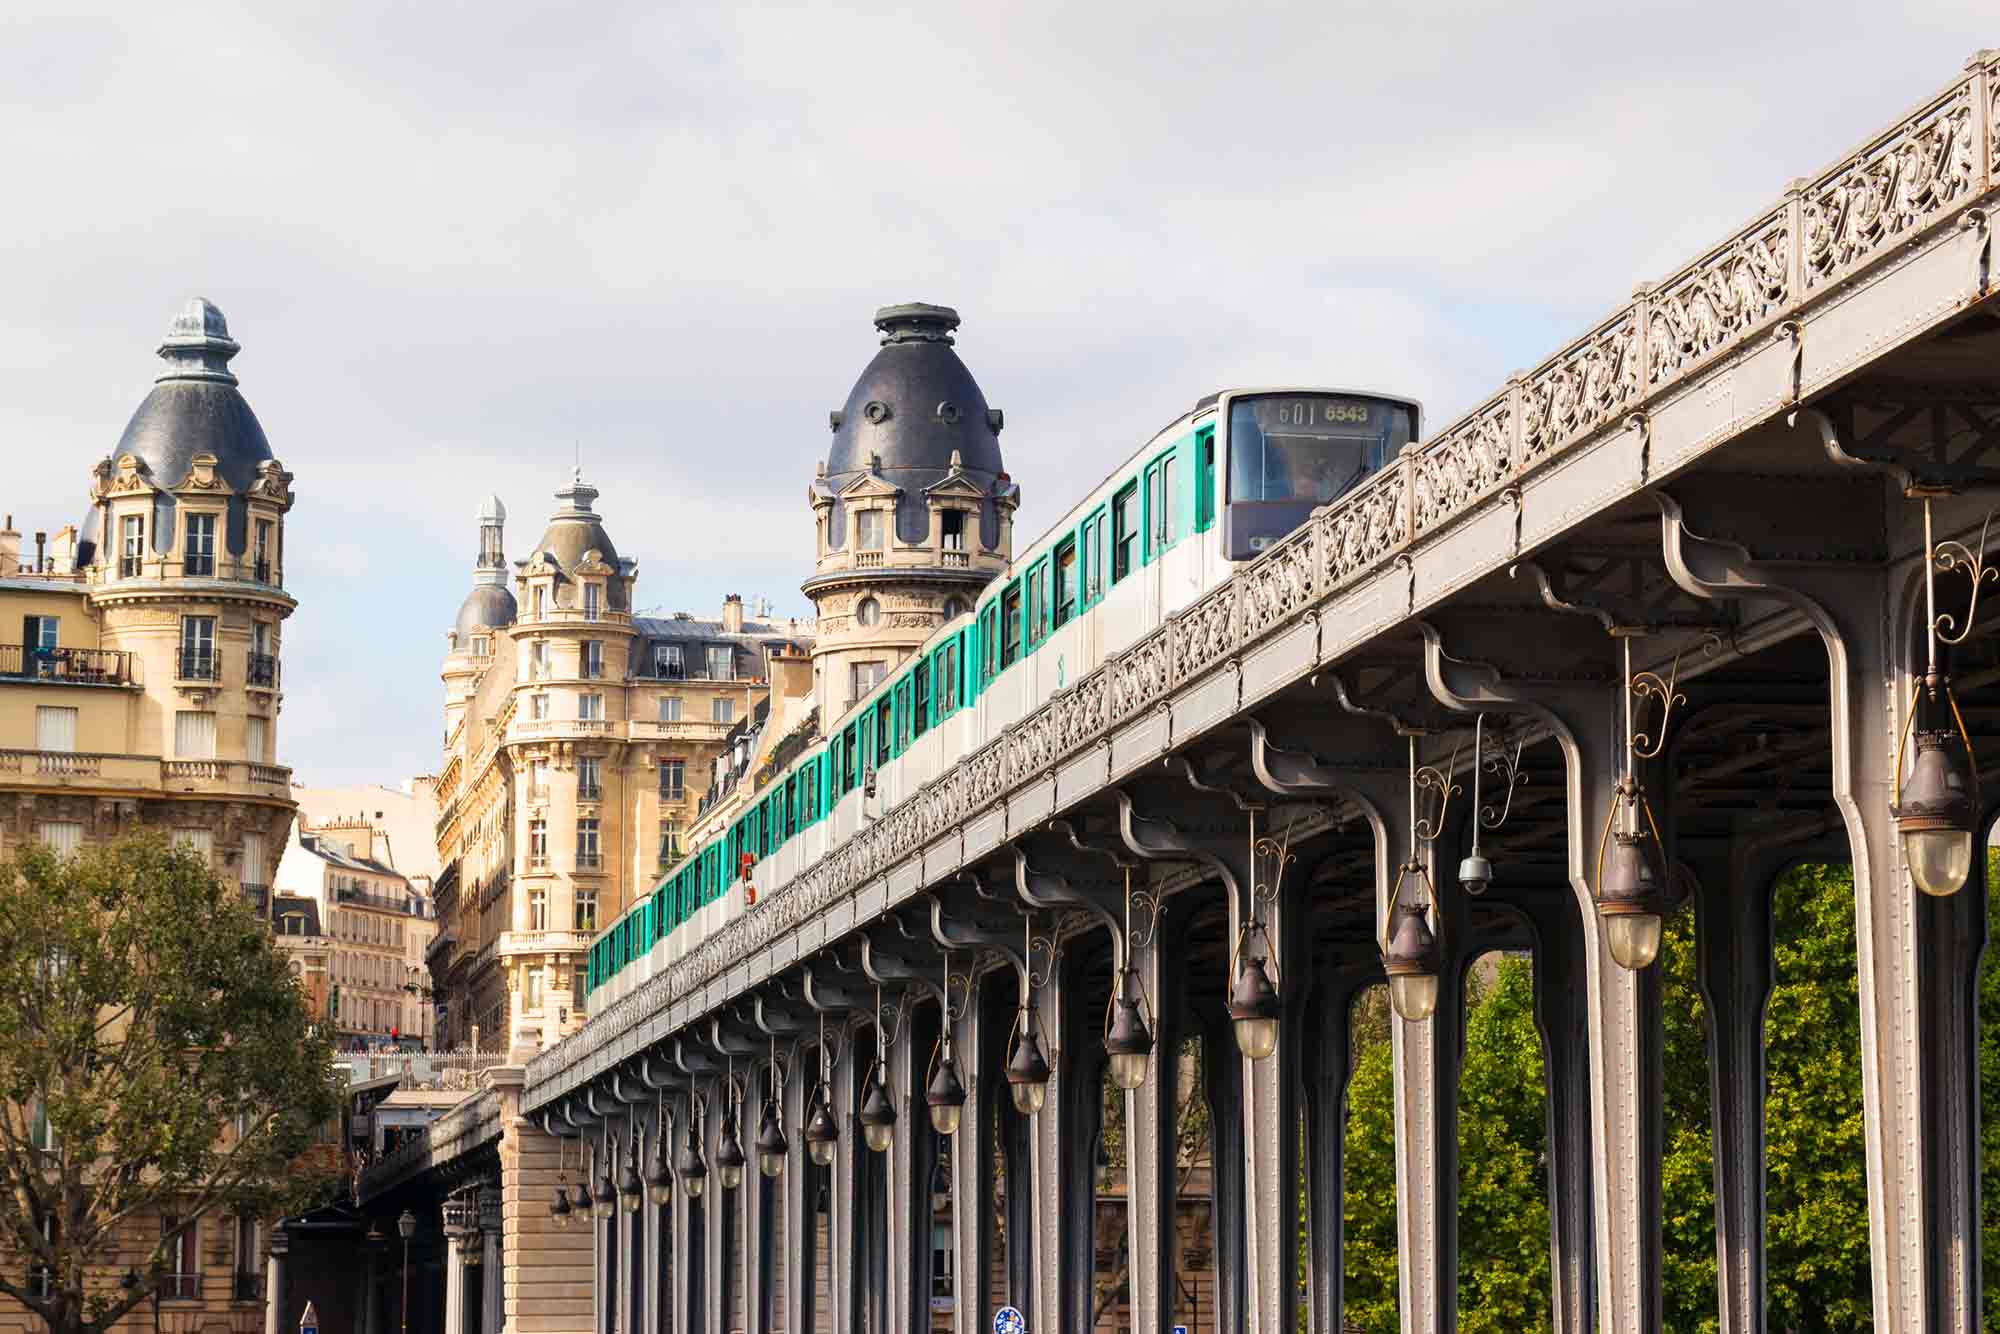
(732, 614)
(10, 549)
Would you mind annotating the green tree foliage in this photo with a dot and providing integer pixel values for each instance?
(156, 1059)
(1503, 1216)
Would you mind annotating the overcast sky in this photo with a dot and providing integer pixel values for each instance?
(459, 242)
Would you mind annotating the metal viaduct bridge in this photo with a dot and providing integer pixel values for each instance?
(1725, 497)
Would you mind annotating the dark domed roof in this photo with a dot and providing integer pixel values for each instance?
(194, 408)
(914, 406)
(486, 607)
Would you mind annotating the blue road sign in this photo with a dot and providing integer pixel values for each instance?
(1007, 1320)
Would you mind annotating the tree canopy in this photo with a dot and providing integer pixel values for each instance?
(157, 1060)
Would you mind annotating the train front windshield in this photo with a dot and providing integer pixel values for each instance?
(1290, 453)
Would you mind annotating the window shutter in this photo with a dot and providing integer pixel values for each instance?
(62, 837)
(194, 735)
(55, 728)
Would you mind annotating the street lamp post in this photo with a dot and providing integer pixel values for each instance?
(406, 1227)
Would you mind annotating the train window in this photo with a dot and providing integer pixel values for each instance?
(903, 689)
(920, 699)
(1090, 559)
(1204, 479)
(1066, 569)
(847, 756)
(1036, 625)
(989, 643)
(1124, 530)
(1010, 625)
(947, 677)
(884, 719)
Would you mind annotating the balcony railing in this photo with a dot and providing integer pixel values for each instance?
(538, 861)
(362, 898)
(136, 773)
(207, 771)
(68, 666)
(258, 897)
(247, 1287)
(198, 664)
(261, 571)
(589, 861)
(199, 565)
(956, 560)
(180, 1287)
(590, 792)
(262, 670)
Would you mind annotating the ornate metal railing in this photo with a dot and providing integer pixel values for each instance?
(261, 670)
(1906, 184)
(68, 666)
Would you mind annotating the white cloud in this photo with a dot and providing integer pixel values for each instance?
(459, 241)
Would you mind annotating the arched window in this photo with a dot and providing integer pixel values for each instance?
(868, 612)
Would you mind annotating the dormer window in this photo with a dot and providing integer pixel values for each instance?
(538, 601)
(869, 529)
(263, 551)
(954, 530)
(667, 661)
(198, 560)
(131, 546)
(593, 601)
(721, 662)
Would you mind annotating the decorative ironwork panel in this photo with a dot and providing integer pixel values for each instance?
(1714, 301)
(1581, 389)
(1469, 461)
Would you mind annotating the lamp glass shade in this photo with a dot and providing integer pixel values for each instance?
(771, 1143)
(559, 1206)
(1128, 1042)
(694, 1185)
(1028, 1070)
(729, 1160)
(605, 1197)
(945, 1117)
(1256, 1038)
(1128, 1069)
(694, 1169)
(1634, 938)
(630, 1190)
(406, 1225)
(580, 1202)
(1028, 1098)
(1940, 859)
(822, 1152)
(1414, 995)
(659, 1177)
(878, 1138)
(822, 1136)
(732, 1176)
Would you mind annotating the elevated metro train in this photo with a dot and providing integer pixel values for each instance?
(1220, 483)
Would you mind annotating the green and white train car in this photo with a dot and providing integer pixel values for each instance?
(1220, 483)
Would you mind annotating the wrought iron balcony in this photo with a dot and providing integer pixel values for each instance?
(180, 1287)
(68, 666)
(590, 792)
(198, 565)
(202, 664)
(262, 670)
(261, 571)
(589, 861)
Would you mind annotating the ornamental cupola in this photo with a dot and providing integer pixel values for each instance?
(913, 508)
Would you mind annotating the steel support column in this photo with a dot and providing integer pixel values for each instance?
(1152, 1169)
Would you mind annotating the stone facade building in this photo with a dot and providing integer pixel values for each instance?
(580, 739)
(144, 690)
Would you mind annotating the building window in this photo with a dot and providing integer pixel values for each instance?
(201, 842)
(253, 860)
(670, 708)
(586, 910)
(531, 990)
(721, 662)
(590, 708)
(588, 855)
(868, 612)
(194, 735)
(538, 601)
(589, 781)
(257, 740)
(953, 609)
(538, 844)
(131, 546)
(249, 1282)
(538, 780)
(868, 529)
(198, 661)
(673, 780)
(667, 660)
(262, 557)
(863, 677)
(953, 522)
(55, 729)
(538, 910)
(538, 707)
(39, 636)
(722, 710)
(199, 558)
(482, 646)
(182, 1279)
(593, 659)
(593, 601)
(538, 660)
(262, 669)
(670, 842)
(62, 837)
